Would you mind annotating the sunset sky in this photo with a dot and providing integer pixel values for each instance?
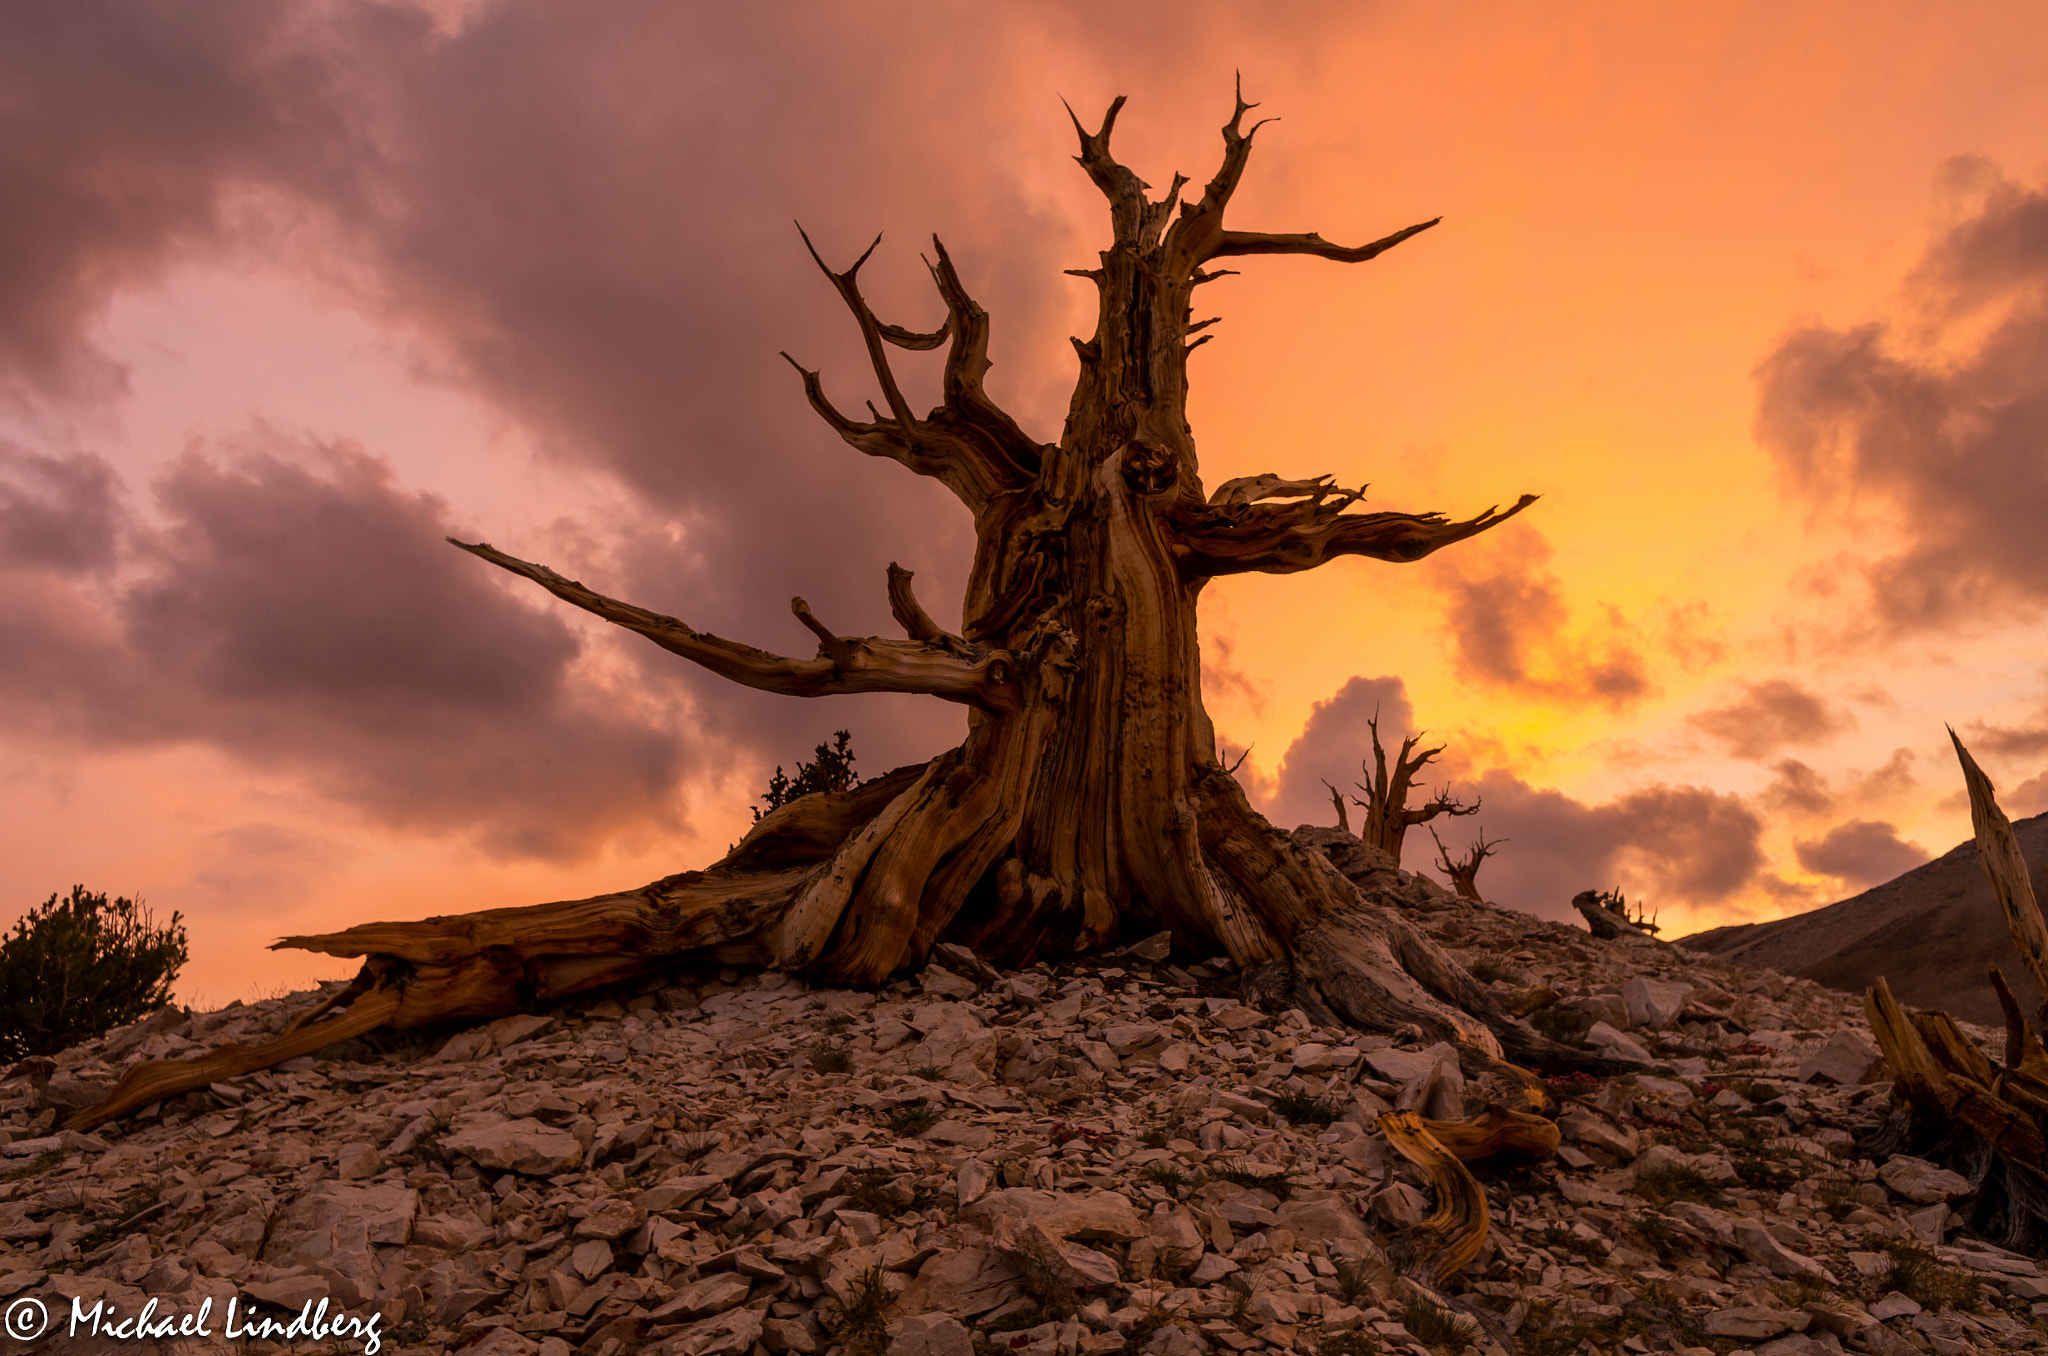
(1755, 296)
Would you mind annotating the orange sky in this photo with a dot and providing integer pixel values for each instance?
(1755, 296)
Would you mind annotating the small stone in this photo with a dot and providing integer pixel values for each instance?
(1654, 1004)
(1847, 1058)
(932, 1335)
(357, 1161)
(502, 1341)
(591, 1259)
(713, 1294)
(1920, 1181)
(1893, 1305)
(522, 1145)
(1212, 1268)
(1754, 1323)
(971, 1182)
(1617, 1044)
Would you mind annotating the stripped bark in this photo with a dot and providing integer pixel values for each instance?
(1088, 801)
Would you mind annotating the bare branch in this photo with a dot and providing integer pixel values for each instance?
(852, 664)
(848, 286)
(1232, 243)
(1193, 238)
(1287, 538)
(969, 443)
(833, 646)
(1337, 799)
(911, 616)
(1012, 456)
(1113, 179)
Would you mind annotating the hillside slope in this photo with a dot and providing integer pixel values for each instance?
(1930, 932)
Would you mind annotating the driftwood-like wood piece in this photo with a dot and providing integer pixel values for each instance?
(1087, 803)
(1494, 1131)
(1603, 921)
(1455, 1233)
(1948, 1087)
(2007, 869)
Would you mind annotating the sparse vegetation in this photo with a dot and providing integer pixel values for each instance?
(1166, 1175)
(1044, 1277)
(830, 769)
(832, 1058)
(1281, 1184)
(1921, 1277)
(1354, 1279)
(861, 1323)
(1435, 1326)
(913, 1118)
(1557, 1238)
(76, 967)
(930, 1073)
(1676, 1182)
(1300, 1108)
(871, 1190)
(1660, 1236)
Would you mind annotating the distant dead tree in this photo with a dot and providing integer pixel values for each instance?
(1464, 871)
(1607, 915)
(1387, 816)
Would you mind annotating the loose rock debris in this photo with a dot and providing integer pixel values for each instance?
(1110, 1155)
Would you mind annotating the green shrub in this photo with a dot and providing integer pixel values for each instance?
(77, 968)
(830, 769)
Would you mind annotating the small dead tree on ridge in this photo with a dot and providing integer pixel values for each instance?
(1387, 814)
(1464, 871)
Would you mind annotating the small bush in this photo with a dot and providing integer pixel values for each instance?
(913, 1118)
(1166, 1175)
(1281, 1184)
(77, 968)
(861, 1322)
(870, 1190)
(1354, 1278)
(1918, 1275)
(830, 769)
(832, 1059)
(1435, 1326)
(1299, 1108)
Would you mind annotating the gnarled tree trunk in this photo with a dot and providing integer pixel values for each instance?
(1088, 801)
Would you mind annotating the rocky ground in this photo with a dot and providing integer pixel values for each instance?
(1104, 1156)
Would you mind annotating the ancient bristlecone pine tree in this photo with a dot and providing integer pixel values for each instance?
(1388, 816)
(1087, 802)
